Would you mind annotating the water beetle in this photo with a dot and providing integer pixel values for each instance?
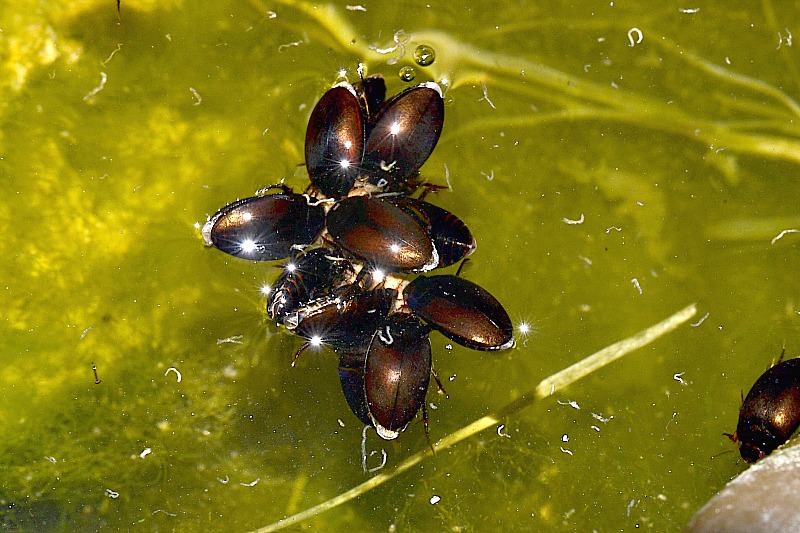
(397, 371)
(343, 320)
(308, 276)
(450, 236)
(372, 92)
(335, 141)
(381, 233)
(265, 228)
(770, 413)
(461, 310)
(351, 376)
(402, 135)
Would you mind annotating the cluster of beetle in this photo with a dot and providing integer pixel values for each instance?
(357, 232)
(353, 239)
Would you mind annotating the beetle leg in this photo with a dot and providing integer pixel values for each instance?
(438, 382)
(425, 424)
(463, 263)
(431, 187)
(299, 350)
(283, 187)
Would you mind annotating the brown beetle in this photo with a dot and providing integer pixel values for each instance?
(344, 319)
(335, 141)
(397, 371)
(770, 413)
(382, 234)
(402, 135)
(265, 228)
(462, 311)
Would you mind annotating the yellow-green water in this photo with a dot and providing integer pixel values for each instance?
(680, 154)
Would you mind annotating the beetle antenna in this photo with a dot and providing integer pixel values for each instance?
(721, 453)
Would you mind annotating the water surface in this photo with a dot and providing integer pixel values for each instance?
(609, 181)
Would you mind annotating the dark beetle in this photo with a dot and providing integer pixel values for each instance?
(397, 372)
(351, 375)
(461, 310)
(343, 320)
(402, 135)
(308, 276)
(398, 358)
(335, 141)
(450, 236)
(372, 93)
(770, 413)
(265, 228)
(382, 234)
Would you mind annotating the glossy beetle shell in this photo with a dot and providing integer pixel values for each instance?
(382, 234)
(462, 311)
(352, 133)
(344, 320)
(770, 413)
(403, 134)
(372, 91)
(450, 236)
(265, 228)
(397, 372)
(335, 141)
(351, 376)
(307, 277)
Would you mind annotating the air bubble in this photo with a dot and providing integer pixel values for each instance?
(407, 74)
(424, 55)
